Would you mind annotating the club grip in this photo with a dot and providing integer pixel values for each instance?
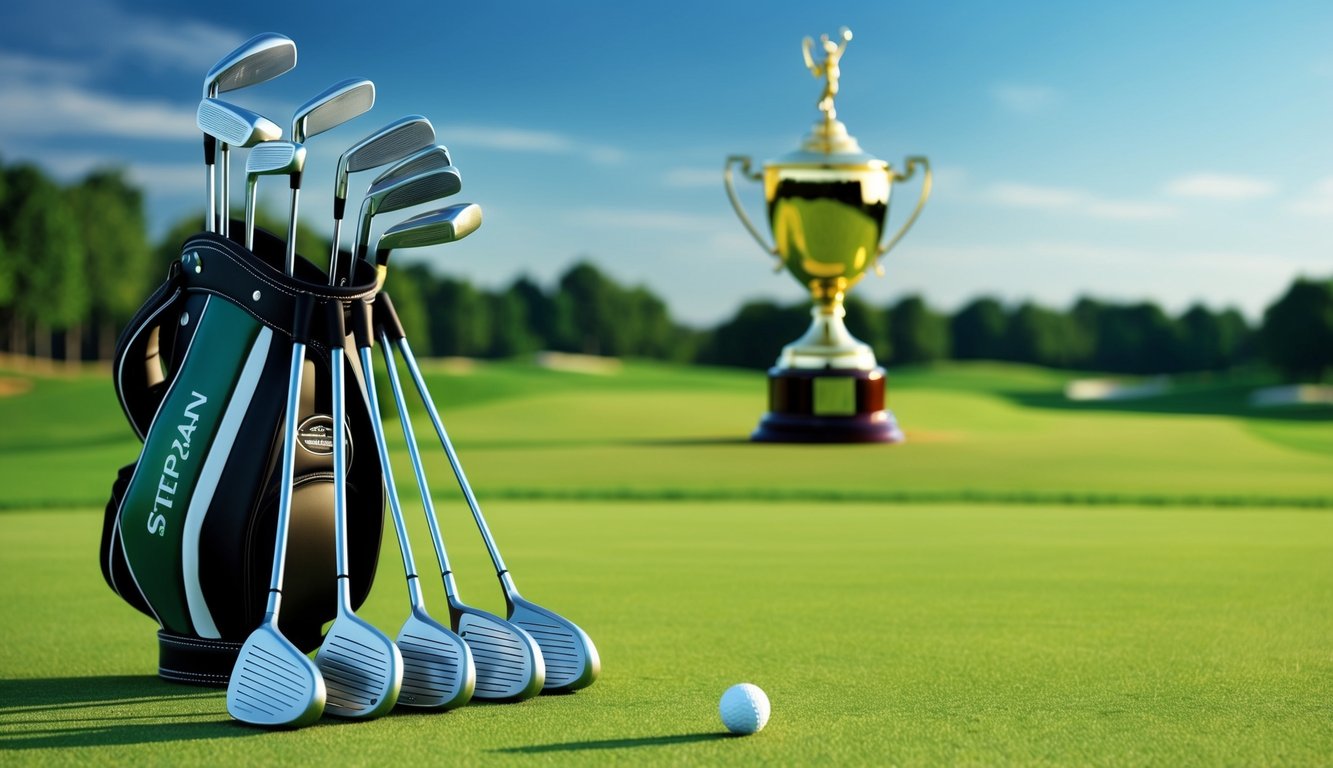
(361, 324)
(336, 323)
(387, 318)
(301, 320)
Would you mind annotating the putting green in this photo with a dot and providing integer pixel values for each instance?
(1022, 583)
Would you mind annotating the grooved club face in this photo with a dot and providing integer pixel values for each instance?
(257, 60)
(233, 125)
(339, 103)
(438, 670)
(275, 157)
(395, 141)
(426, 159)
(571, 658)
(432, 228)
(508, 661)
(362, 668)
(273, 683)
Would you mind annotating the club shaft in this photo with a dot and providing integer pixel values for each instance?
(457, 466)
(333, 257)
(291, 229)
(413, 451)
(224, 198)
(212, 203)
(286, 479)
(251, 190)
(399, 524)
(339, 470)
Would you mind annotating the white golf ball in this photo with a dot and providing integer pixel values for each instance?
(744, 708)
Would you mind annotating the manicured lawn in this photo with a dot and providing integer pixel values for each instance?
(1023, 582)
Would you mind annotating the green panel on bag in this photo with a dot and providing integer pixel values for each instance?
(152, 514)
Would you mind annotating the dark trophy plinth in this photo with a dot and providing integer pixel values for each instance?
(828, 406)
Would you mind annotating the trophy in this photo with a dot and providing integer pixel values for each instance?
(827, 205)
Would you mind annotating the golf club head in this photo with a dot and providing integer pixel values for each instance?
(273, 683)
(233, 125)
(405, 192)
(259, 59)
(338, 103)
(508, 661)
(362, 668)
(272, 158)
(438, 671)
(445, 225)
(425, 159)
(403, 137)
(571, 658)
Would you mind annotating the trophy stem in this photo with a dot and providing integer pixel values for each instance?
(827, 343)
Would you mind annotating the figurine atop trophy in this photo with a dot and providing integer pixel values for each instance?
(828, 70)
(827, 204)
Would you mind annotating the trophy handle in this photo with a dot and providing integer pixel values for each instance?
(744, 161)
(895, 176)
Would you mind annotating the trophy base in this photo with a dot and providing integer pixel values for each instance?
(827, 406)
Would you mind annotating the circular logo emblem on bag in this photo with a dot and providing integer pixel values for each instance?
(315, 435)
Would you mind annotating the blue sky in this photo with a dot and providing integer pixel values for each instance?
(1175, 151)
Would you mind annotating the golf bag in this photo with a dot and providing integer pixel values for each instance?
(202, 373)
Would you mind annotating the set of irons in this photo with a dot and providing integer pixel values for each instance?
(358, 671)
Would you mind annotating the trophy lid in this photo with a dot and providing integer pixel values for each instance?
(828, 144)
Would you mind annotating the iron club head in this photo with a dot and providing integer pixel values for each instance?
(233, 125)
(403, 137)
(571, 658)
(338, 103)
(425, 159)
(438, 668)
(257, 60)
(404, 192)
(273, 683)
(362, 668)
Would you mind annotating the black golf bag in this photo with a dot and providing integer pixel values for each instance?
(202, 373)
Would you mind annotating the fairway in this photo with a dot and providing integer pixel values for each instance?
(1023, 582)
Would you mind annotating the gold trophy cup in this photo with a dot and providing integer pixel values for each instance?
(827, 205)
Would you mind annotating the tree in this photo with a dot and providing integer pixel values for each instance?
(1297, 333)
(917, 334)
(541, 313)
(111, 224)
(1044, 336)
(1208, 341)
(869, 324)
(50, 254)
(979, 330)
(755, 335)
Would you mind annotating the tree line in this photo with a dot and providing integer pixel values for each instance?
(75, 263)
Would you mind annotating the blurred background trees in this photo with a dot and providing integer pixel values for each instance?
(75, 263)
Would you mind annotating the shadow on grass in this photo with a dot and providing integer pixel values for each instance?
(647, 741)
(58, 713)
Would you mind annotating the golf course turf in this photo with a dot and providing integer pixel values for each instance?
(1026, 581)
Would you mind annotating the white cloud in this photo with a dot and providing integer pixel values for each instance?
(1318, 201)
(690, 178)
(527, 140)
(1219, 186)
(32, 109)
(1075, 201)
(1024, 99)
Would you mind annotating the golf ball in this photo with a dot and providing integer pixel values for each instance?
(744, 708)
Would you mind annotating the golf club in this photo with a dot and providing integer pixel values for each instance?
(233, 126)
(272, 682)
(424, 159)
(393, 142)
(271, 158)
(571, 658)
(438, 671)
(257, 60)
(509, 664)
(339, 103)
(397, 193)
(362, 668)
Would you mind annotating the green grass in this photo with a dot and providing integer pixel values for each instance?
(1022, 582)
